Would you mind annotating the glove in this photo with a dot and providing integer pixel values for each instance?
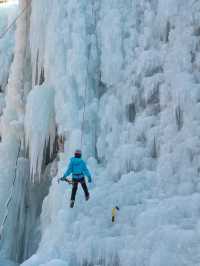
(69, 181)
(63, 179)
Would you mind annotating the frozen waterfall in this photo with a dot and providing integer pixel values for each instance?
(134, 65)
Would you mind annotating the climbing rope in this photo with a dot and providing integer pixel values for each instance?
(7, 204)
(15, 20)
(84, 106)
(83, 117)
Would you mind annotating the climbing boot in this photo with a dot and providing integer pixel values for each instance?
(72, 203)
(87, 197)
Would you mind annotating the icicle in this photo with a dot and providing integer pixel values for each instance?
(39, 125)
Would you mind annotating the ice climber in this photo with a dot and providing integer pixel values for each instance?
(78, 169)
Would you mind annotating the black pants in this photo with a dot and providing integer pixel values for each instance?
(75, 187)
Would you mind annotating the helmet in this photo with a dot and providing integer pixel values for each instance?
(77, 153)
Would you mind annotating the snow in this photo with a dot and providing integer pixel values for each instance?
(138, 62)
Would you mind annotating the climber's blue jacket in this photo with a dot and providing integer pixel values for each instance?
(77, 167)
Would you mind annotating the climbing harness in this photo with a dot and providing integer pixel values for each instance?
(7, 204)
(114, 210)
(15, 20)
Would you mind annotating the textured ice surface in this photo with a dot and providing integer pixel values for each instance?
(39, 125)
(11, 131)
(139, 61)
(141, 126)
(7, 263)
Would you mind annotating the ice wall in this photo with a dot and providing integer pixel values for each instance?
(21, 234)
(12, 81)
(7, 13)
(135, 64)
(139, 61)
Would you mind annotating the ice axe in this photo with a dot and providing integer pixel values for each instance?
(64, 179)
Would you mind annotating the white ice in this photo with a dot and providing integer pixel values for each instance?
(139, 62)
